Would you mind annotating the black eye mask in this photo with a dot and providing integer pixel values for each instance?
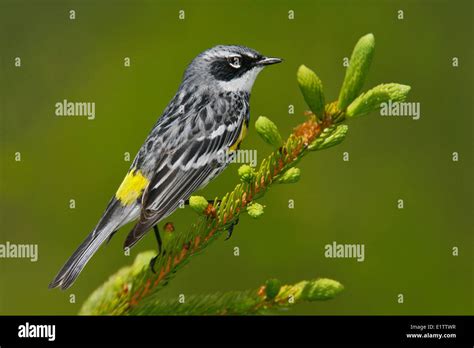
(222, 70)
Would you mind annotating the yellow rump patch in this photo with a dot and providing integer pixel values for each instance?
(243, 133)
(132, 187)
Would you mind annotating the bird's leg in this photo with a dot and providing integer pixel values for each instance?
(231, 228)
(160, 243)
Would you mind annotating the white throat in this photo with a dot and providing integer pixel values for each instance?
(243, 83)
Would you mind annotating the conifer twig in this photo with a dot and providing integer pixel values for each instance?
(270, 296)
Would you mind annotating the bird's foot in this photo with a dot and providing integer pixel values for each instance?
(231, 228)
(160, 244)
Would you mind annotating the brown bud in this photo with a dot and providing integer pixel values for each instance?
(169, 227)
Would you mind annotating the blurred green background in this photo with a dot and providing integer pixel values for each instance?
(407, 251)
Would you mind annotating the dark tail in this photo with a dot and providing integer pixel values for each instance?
(114, 217)
(71, 269)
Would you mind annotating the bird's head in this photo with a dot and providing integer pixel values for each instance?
(231, 68)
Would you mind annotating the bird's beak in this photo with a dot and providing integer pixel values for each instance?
(269, 61)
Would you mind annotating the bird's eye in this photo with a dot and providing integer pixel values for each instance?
(234, 62)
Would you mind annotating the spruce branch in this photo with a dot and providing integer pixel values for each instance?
(134, 287)
(246, 302)
(270, 296)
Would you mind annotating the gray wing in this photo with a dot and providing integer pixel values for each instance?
(190, 158)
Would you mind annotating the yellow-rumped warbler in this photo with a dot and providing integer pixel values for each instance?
(208, 116)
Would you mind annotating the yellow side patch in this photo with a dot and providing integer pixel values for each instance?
(243, 133)
(132, 187)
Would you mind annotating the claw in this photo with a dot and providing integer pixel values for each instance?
(231, 229)
(152, 263)
(229, 232)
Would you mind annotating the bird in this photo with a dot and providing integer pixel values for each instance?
(207, 117)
